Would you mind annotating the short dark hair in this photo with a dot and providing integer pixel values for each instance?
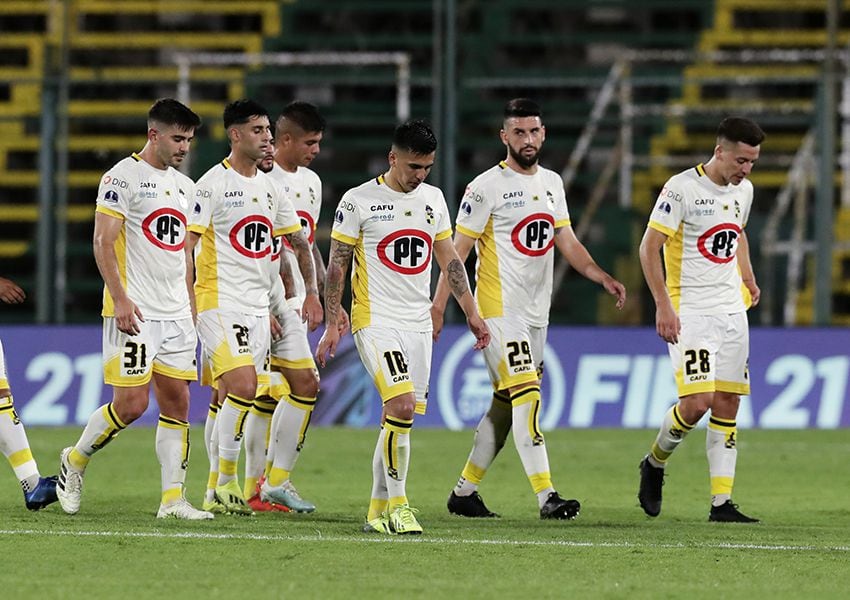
(303, 114)
(522, 107)
(169, 111)
(740, 129)
(415, 136)
(241, 111)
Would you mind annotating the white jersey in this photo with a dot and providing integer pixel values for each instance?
(154, 205)
(305, 191)
(703, 223)
(393, 234)
(237, 218)
(513, 218)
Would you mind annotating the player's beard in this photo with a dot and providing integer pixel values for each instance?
(524, 161)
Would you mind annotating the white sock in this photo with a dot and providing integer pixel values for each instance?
(172, 450)
(490, 436)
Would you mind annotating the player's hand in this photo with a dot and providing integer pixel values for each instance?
(275, 327)
(126, 313)
(617, 289)
(755, 292)
(667, 323)
(344, 325)
(327, 345)
(311, 311)
(10, 292)
(480, 330)
(437, 321)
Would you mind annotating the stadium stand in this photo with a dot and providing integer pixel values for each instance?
(121, 55)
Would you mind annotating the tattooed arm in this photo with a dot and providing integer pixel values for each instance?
(311, 312)
(338, 262)
(455, 275)
(463, 245)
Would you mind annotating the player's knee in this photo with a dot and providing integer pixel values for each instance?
(725, 405)
(401, 407)
(130, 407)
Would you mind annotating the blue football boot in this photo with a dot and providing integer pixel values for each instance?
(43, 494)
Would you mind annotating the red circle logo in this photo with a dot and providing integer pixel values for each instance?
(720, 243)
(534, 235)
(166, 228)
(406, 251)
(252, 236)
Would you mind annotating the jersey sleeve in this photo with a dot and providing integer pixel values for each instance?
(285, 219)
(669, 209)
(346, 228)
(443, 223)
(202, 205)
(318, 203)
(474, 212)
(115, 194)
(748, 204)
(560, 210)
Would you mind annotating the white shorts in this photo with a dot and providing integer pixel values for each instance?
(4, 381)
(164, 347)
(712, 354)
(292, 350)
(399, 362)
(515, 353)
(231, 340)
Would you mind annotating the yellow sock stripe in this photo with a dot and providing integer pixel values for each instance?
(172, 495)
(376, 507)
(277, 476)
(186, 445)
(239, 403)
(21, 457)
(723, 425)
(110, 415)
(77, 459)
(525, 395)
(226, 467)
(534, 420)
(113, 428)
(679, 421)
(398, 425)
(264, 407)
(659, 454)
(302, 433)
(540, 481)
(472, 472)
(301, 401)
(8, 406)
(171, 423)
(722, 485)
(212, 480)
(250, 487)
(396, 501)
(213, 410)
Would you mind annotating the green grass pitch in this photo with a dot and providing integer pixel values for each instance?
(795, 481)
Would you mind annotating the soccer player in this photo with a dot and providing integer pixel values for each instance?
(238, 212)
(38, 491)
(148, 332)
(514, 214)
(392, 224)
(298, 134)
(700, 311)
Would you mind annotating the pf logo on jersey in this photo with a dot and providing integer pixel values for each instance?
(720, 243)
(535, 234)
(252, 236)
(166, 228)
(406, 251)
